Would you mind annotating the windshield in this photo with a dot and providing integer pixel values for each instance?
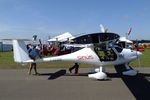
(119, 49)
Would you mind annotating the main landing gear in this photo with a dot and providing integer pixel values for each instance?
(99, 75)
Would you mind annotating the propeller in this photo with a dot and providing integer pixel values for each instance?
(103, 29)
(138, 54)
(139, 61)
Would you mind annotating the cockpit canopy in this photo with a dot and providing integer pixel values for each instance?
(96, 38)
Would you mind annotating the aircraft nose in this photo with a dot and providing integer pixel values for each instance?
(139, 54)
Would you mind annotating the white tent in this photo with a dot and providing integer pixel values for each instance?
(63, 37)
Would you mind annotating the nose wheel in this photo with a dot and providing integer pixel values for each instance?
(130, 71)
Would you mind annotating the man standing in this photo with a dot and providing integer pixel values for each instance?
(76, 67)
(33, 54)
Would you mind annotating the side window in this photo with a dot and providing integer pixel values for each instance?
(105, 54)
(118, 49)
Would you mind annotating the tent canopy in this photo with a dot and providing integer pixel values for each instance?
(63, 37)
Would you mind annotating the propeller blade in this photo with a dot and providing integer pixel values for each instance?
(138, 58)
(138, 53)
(139, 62)
(102, 28)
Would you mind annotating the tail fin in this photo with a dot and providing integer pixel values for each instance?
(20, 51)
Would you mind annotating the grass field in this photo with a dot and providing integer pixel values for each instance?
(144, 60)
(7, 62)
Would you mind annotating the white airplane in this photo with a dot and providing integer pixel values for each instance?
(95, 52)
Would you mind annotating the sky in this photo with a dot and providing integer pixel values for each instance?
(48, 18)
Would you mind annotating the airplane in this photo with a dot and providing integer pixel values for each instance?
(99, 49)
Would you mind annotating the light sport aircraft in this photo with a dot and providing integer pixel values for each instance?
(96, 50)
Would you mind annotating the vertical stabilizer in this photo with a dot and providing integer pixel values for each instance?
(20, 51)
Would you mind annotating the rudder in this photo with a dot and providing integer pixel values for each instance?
(20, 51)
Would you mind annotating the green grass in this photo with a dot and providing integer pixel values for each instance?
(144, 60)
(7, 62)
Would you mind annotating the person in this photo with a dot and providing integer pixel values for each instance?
(33, 65)
(76, 67)
(33, 54)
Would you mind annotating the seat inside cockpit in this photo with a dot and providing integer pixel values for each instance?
(105, 53)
